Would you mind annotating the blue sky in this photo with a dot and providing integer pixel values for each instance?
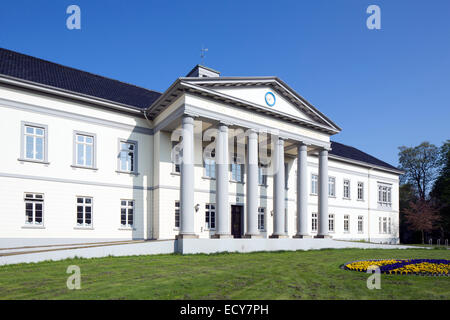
(385, 88)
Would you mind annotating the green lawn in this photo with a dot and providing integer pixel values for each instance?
(277, 275)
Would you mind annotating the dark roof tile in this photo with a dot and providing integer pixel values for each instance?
(40, 71)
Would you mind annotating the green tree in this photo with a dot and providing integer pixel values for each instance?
(440, 193)
(420, 164)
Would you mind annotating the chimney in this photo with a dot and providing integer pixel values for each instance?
(201, 72)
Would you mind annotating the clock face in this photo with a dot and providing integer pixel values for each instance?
(270, 99)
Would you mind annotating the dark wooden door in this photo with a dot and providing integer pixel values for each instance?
(236, 221)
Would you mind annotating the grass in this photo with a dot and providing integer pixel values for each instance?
(262, 275)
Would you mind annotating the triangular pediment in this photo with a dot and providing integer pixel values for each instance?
(267, 93)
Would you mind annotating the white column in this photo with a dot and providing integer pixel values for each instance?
(302, 191)
(222, 206)
(187, 179)
(322, 231)
(252, 185)
(279, 191)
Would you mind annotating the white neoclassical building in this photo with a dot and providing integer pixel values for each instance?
(87, 157)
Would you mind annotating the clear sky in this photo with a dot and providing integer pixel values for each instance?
(384, 88)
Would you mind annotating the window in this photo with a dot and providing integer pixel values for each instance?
(346, 223)
(210, 166)
(261, 218)
(210, 216)
(383, 225)
(389, 226)
(331, 222)
(360, 191)
(262, 177)
(314, 184)
(314, 222)
(84, 150)
(177, 214)
(127, 156)
(360, 224)
(84, 212)
(34, 142)
(34, 208)
(385, 195)
(126, 213)
(176, 157)
(236, 170)
(331, 186)
(286, 176)
(347, 189)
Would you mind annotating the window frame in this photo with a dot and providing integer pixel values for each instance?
(177, 151)
(209, 213)
(241, 170)
(91, 205)
(314, 184)
(33, 201)
(211, 165)
(333, 195)
(346, 187)
(23, 144)
(384, 197)
(360, 224)
(177, 215)
(262, 178)
(314, 222)
(331, 222)
(360, 183)
(135, 156)
(127, 213)
(262, 221)
(346, 223)
(75, 150)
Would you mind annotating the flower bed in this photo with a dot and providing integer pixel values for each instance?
(403, 266)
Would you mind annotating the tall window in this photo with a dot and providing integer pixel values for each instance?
(389, 226)
(360, 190)
(262, 177)
(286, 175)
(127, 156)
(360, 224)
(34, 208)
(261, 218)
(385, 195)
(176, 157)
(236, 170)
(210, 216)
(331, 186)
(34, 143)
(177, 214)
(346, 223)
(126, 213)
(210, 167)
(331, 222)
(314, 184)
(384, 225)
(347, 189)
(84, 211)
(84, 150)
(314, 222)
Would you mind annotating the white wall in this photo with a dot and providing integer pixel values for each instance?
(59, 181)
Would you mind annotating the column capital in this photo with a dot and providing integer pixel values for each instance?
(187, 119)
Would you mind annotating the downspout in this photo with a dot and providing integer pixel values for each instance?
(152, 191)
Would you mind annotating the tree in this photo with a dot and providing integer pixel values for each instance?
(440, 194)
(420, 164)
(421, 216)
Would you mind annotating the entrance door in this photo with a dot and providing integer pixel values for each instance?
(236, 221)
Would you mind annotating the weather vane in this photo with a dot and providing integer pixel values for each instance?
(202, 54)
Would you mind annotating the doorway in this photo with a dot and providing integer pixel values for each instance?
(236, 221)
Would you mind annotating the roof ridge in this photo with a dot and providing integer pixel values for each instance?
(78, 70)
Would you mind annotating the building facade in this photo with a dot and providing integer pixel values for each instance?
(92, 158)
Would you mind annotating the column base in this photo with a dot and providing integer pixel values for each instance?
(324, 236)
(252, 236)
(221, 236)
(186, 236)
(278, 236)
(301, 236)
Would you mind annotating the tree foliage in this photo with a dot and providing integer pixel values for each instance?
(422, 216)
(420, 164)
